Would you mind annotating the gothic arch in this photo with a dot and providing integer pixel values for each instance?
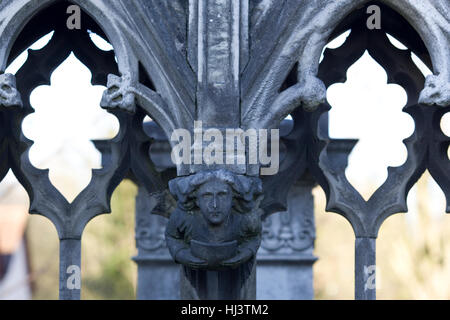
(428, 21)
(305, 33)
(15, 16)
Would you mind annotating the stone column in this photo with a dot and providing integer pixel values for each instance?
(158, 275)
(285, 258)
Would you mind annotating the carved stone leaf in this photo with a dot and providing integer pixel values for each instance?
(367, 216)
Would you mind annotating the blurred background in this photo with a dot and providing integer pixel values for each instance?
(413, 249)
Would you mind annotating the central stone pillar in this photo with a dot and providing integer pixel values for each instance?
(215, 230)
(217, 51)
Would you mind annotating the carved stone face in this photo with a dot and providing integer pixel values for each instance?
(214, 198)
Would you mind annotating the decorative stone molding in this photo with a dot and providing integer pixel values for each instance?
(9, 96)
(118, 94)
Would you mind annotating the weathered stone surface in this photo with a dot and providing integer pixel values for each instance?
(239, 65)
(216, 228)
(287, 249)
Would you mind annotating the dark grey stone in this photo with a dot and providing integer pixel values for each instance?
(247, 65)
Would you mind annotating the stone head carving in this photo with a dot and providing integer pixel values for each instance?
(215, 199)
(9, 96)
(216, 221)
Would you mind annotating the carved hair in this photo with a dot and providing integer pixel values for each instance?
(246, 190)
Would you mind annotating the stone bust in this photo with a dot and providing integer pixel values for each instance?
(216, 223)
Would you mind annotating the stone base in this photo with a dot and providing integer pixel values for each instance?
(233, 284)
(285, 278)
(158, 278)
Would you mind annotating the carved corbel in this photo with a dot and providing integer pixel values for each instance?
(217, 223)
(9, 95)
(119, 94)
(436, 91)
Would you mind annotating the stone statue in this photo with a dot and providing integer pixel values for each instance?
(216, 223)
